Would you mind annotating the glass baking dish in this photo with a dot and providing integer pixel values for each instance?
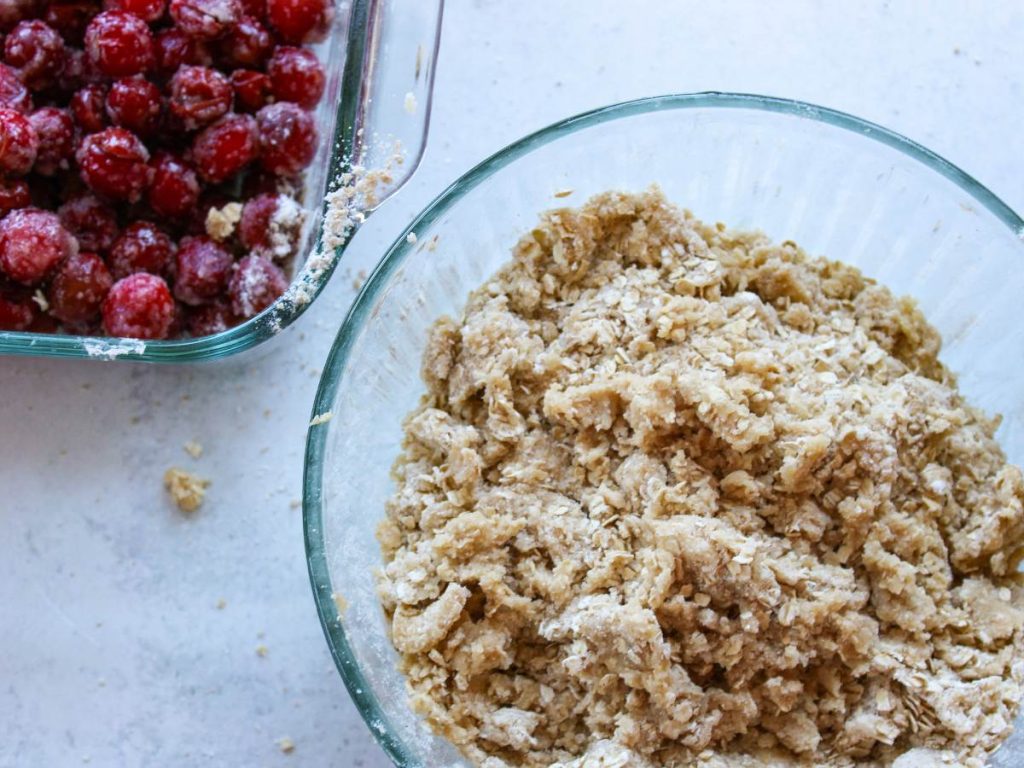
(380, 59)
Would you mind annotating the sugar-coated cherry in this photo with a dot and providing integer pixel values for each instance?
(202, 270)
(13, 93)
(115, 163)
(91, 221)
(247, 45)
(142, 247)
(119, 44)
(174, 49)
(71, 17)
(254, 226)
(147, 10)
(36, 52)
(17, 311)
(256, 9)
(175, 187)
(14, 194)
(89, 108)
(199, 96)
(211, 318)
(288, 138)
(134, 103)
(296, 76)
(139, 306)
(19, 143)
(55, 130)
(252, 89)
(226, 147)
(300, 21)
(78, 288)
(32, 244)
(255, 285)
(206, 19)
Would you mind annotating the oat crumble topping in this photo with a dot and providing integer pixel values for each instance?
(679, 495)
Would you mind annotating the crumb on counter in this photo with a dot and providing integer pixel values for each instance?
(187, 490)
(286, 745)
(340, 603)
(410, 103)
(262, 651)
(221, 604)
(193, 448)
(564, 192)
(410, 238)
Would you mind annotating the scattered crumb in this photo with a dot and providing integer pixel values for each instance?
(410, 238)
(285, 227)
(564, 192)
(266, 412)
(222, 604)
(40, 298)
(956, 50)
(193, 448)
(262, 651)
(295, 503)
(410, 103)
(432, 245)
(220, 222)
(286, 745)
(419, 61)
(187, 490)
(322, 418)
(340, 603)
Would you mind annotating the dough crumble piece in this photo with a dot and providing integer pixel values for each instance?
(186, 489)
(679, 495)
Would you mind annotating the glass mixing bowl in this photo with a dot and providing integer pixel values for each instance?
(832, 183)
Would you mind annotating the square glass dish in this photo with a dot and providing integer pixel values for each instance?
(379, 59)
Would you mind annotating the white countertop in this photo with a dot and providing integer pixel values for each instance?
(113, 651)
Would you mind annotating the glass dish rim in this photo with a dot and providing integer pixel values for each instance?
(401, 249)
(345, 152)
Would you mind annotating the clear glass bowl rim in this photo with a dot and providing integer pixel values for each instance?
(401, 249)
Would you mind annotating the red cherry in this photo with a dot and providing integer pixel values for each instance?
(139, 306)
(114, 163)
(255, 285)
(199, 96)
(92, 222)
(174, 49)
(202, 270)
(300, 21)
(88, 107)
(19, 143)
(254, 226)
(296, 76)
(247, 45)
(252, 89)
(142, 247)
(288, 138)
(147, 10)
(14, 194)
(36, 52)
(134, 103)
(13, 93)
(175, 188)
(226, 147)
(119, 44)
(78, 289)
(17, 311)
(211, 318)
(56, 132)
(32, 244)
(206, 19)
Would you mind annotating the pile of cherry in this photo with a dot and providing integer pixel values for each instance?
(122, 124)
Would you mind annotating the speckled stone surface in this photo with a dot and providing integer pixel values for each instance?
(113, 650)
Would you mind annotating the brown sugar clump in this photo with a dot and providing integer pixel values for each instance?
(186, 490)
